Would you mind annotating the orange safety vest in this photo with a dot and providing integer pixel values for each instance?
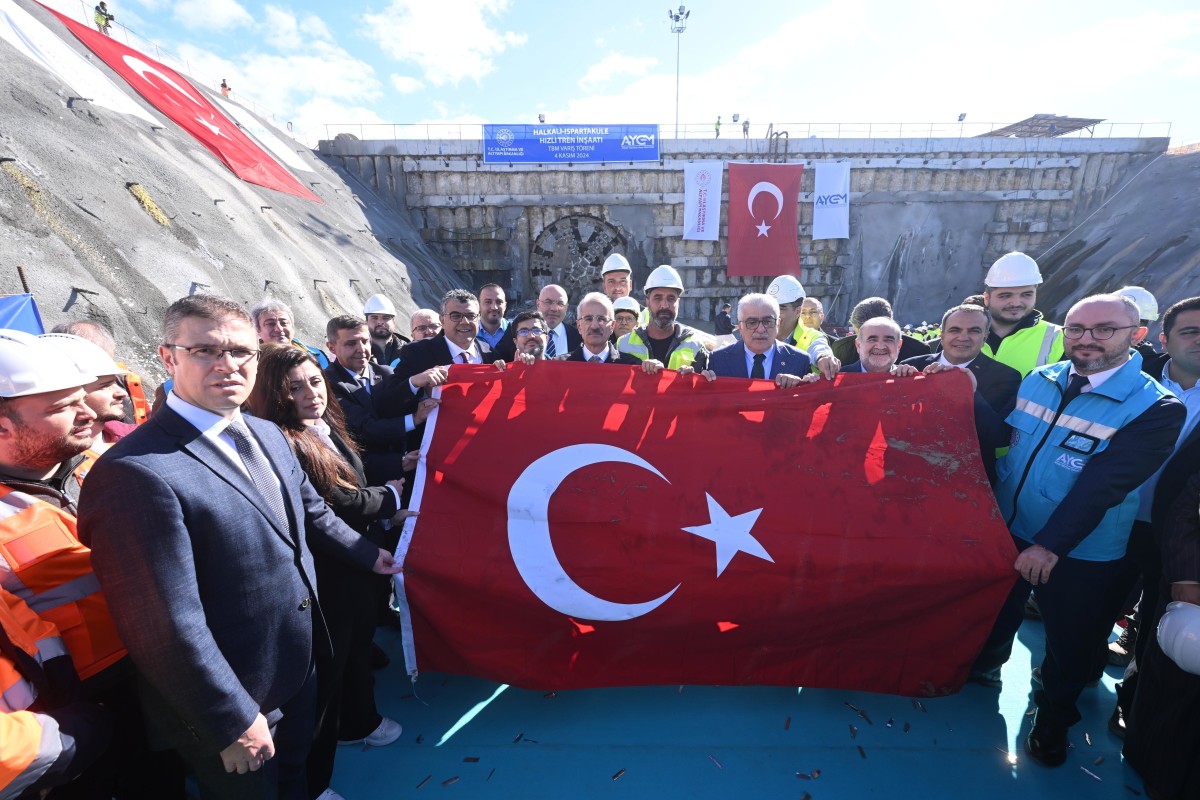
(85, 466)
(26, 754)
(43, 562)
(137, 395)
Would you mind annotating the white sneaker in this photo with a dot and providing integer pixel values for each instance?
(329, 794)
(388, 731)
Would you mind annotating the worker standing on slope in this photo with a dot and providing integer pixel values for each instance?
(103, 19)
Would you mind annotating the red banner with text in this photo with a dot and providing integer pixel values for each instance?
(586, 526)
(183, 104)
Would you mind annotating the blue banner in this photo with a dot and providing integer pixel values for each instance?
(557, 144)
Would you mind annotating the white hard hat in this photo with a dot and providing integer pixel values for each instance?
(88, 357)
(1179, 635)
(615, 263)
(664, 277)
(626, 304)
(1013, 269)
(29, 365)
(1147, 305)
(379, 304)
(786, 289)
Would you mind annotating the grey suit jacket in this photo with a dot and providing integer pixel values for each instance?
(213, 599)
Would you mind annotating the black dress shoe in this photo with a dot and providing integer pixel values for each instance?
(1047, 744)
(1116, 723)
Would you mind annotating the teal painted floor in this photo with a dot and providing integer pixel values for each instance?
(465, 737)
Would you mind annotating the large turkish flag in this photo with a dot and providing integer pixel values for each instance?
(183, 104)
(586, 525)
(764, 219)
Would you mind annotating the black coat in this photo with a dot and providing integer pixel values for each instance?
(394, 398)
(383, 440)
(846, 352)
(615, 356)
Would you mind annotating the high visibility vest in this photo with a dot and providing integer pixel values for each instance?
(137, 395)
(803, 338)
(85, 466)
(43, 562)
(1026, 349)
(30, 741)
(1050, 449)
(682, 354)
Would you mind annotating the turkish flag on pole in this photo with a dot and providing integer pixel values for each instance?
(586, 526)
(183, 104)
(764, 219)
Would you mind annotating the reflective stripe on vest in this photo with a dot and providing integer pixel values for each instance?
(32, 743)
(137, 395)
(1077, 424)
(1027, 349)
(682, 354)
(1052, 332)
(85, 466)
(43, 562)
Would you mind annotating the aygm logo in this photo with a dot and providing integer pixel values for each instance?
(833, 199)
(637, 141)
(1068, 461)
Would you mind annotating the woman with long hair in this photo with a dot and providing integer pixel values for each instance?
(291, 392)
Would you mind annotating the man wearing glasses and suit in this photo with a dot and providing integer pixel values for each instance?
(759, 354)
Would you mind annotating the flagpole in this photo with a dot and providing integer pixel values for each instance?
(678, 26)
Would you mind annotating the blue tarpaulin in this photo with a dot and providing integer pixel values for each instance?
(20, 312)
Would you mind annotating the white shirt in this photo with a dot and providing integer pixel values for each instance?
(588, 355)
(767, 362)
(1093, 380)
(212, 426)
(474, 356)
(942, 360)
(559, 335)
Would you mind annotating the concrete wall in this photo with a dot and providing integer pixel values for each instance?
(927, 215)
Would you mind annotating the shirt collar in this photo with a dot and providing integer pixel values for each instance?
(207, 422)
(942, 360)
(1095, 380)
(455, 350)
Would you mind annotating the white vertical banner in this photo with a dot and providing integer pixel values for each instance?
(702, 200)
(831, 201)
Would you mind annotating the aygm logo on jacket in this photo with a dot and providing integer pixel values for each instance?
(1068, 461)
(637, 141)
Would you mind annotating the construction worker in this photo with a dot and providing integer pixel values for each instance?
(1148, 307)
(137, 407)
(663, 339)
(1019, 336)
(790, 295)
(45, 426)
(105, 396)
(812, 314)
(626, 312)
(617, 277)
(386, 341)
(102, 18)
(47, 737)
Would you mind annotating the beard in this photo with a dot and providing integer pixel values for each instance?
(34, 451)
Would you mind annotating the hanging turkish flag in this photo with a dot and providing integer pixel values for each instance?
(586, 526)
(764, 219)
(183, 104)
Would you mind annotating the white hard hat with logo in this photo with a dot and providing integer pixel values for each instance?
(29, 365)
(1147, 305)
(1013, 269)
(615, 263)
(787, 289)
(664, 277)
(379, 304)
(626, 304)
(1179, 635)
(88, 357)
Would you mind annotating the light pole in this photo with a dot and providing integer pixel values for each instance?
(678, 26)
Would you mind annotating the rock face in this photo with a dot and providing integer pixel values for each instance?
(927, 215)
(114, 219)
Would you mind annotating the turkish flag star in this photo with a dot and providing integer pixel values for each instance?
(763, 228)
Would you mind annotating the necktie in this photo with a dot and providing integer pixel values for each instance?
(596, 360)
(366, 383)
(463, 357)
(260, 471)
(1074, 387)
(757, 371)
(551, 351)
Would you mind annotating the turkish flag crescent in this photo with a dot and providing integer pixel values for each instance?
(183, 104)
(764, 219)
(585, 526)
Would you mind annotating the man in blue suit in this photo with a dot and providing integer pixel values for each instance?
(200, 524)
(759, 354)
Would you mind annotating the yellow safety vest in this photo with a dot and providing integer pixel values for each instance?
(1025, 349)
(682, 354)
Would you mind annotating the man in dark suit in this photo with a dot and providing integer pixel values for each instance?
(353, 378)
(423, 365)
(200, 524)
(877, 347)
(759, 354)
(846, 349)
(964, 330)
(594, 319)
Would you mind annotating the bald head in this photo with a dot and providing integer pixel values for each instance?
(878, 344)
(1099, 331)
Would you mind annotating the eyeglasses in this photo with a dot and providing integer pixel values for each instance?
(766, 322)
(434, 328)
(458, 316)
(206, 353)
(1100, 333)
(588, 319)
(525, 333)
